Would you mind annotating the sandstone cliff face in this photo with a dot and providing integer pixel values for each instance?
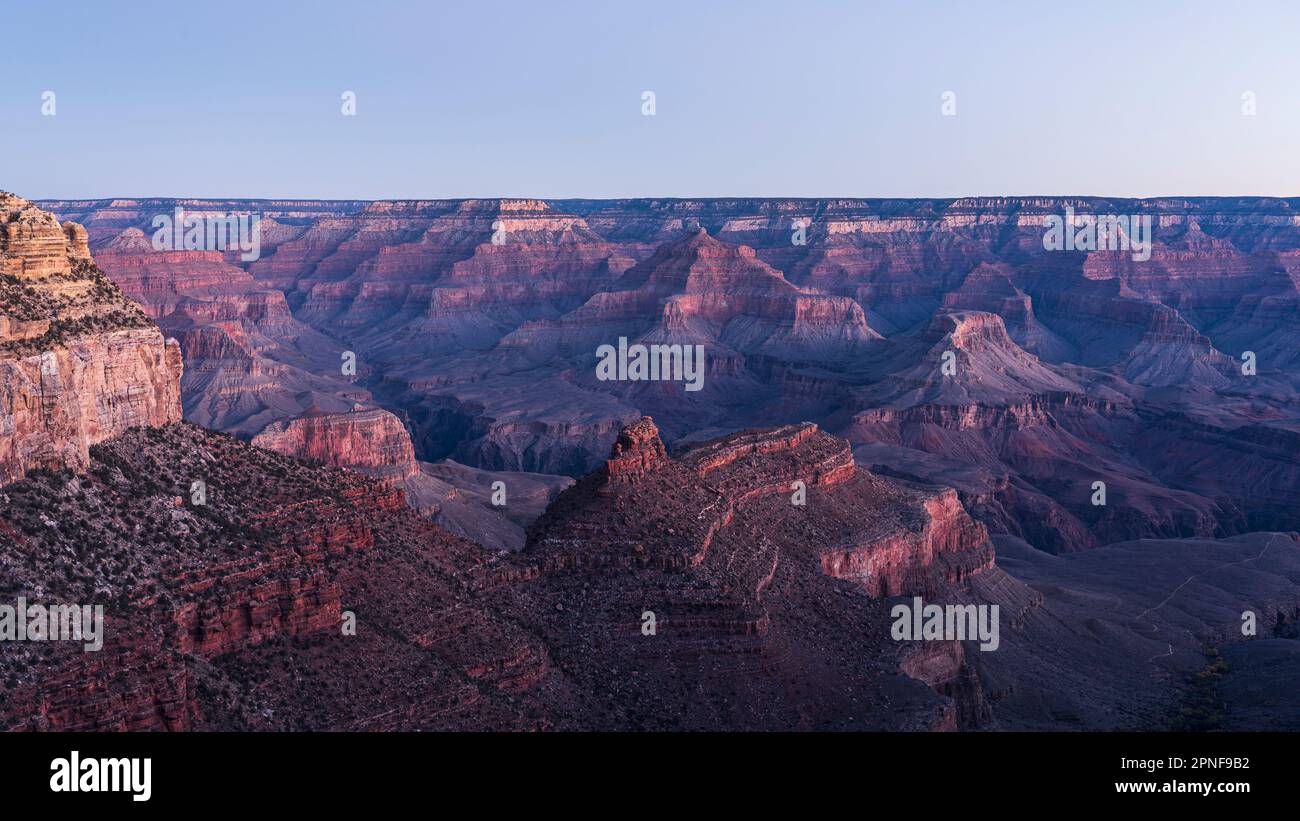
(55, 405)
(373, 441)
(249, 362)
(79, 362)
(946, 550)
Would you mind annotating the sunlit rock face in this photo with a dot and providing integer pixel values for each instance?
(79, 361)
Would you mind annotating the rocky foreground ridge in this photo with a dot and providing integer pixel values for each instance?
(763, 614)
(230, 615)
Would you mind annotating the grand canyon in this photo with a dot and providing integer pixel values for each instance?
(371, 479)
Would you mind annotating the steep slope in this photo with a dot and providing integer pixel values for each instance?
(232, 614)
(235, 613)
(770, 608)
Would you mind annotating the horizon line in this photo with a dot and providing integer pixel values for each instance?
(674, 197)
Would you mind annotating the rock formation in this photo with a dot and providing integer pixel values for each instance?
(755, 587)
(461, 499)
(232, 614)
(79, 362)
(371, 440)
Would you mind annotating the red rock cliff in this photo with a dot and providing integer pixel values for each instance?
(79, 362)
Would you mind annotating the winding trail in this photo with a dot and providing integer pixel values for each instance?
(1191, 578)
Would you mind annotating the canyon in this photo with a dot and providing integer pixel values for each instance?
(917, 400)
(478, 324)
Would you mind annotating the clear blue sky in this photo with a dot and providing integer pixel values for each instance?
(543, 98)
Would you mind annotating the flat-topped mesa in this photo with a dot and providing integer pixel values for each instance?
(713, 455)
(637, 451)
(755, 462)
(890, 537)
(967, 358)
(970, 330)
(815, 447)
(646, 509)
(749, 461)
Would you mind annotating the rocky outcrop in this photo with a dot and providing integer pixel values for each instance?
(489, 507)
(372, 441)
(79, 362)
(943, 665)
(35, 246)
(945, 550)
(637, 451)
